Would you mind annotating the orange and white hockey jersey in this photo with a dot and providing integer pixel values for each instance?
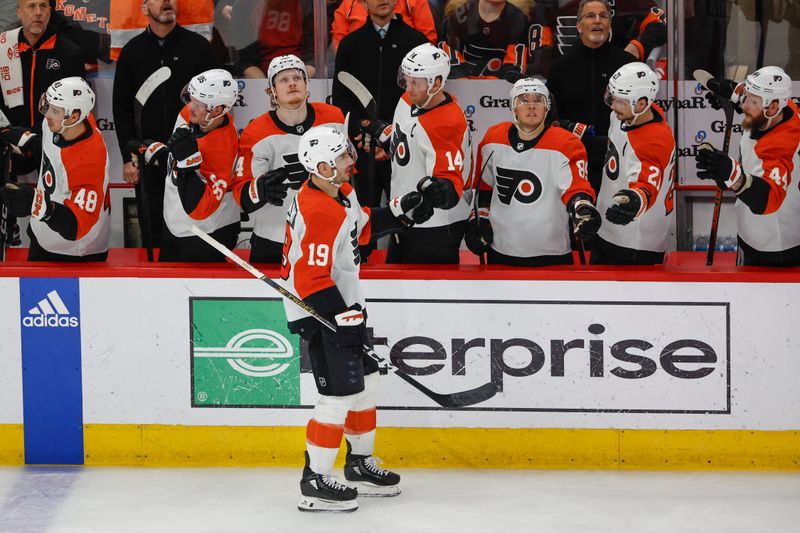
(431, 142)
(267, 144)
(321, 245)
(640, 157)
(775, 157)
(75, 173)
(531, 183)
(217, 208)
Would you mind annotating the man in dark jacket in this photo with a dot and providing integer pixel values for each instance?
(162, 43)
(373, 54)
(579, 78)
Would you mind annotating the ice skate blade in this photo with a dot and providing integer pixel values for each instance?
(309, 504)
(371, 490)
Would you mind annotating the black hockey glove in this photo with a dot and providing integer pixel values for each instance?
(24, 201)
(376, 129)
(18, 140)
(626, 206)
(412, 208)
(270, 187)
(510, 73)
(586, 218)
(439, 191)
(713, 164)
(479, 235)
(151, 153)
(351, 327)
(185, 153)
(724, 89)
(577, 128)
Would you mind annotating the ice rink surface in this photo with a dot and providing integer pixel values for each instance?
(234, 500)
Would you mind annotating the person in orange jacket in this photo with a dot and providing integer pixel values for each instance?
(351, 15)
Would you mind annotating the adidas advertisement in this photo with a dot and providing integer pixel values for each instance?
(243, 354)
(50, 311)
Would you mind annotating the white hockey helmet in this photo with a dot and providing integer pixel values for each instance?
(71, 94)
(323, 144)
(213, 88)
(425, 61)
(770, 83)
(281, 63)
(529, 86)
(632, 82)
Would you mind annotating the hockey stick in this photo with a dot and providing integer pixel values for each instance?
(458, 399)
(475, 193)
(5, 174)
(366, 100)
(450, 401)
(260, 275)
(142, 95)
(727, 107)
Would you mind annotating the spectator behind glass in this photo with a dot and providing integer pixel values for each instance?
(485, 38)
(265, 29)
(351, 14)
(578, 80)
(86, 25)
(162, 43)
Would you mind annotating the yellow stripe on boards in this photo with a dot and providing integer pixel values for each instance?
(159, 445)
(12, 444)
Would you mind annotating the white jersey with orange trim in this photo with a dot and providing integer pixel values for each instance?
(642, 158)
(321, 245)
(75, 173)
(775, 157)
(531, 183)
(431, 142)
(268, 144)
(217, 208)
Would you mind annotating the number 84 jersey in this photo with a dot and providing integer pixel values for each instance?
(641, 158)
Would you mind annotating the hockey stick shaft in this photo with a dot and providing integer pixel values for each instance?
(727, 107)
(476, 191)
(263, 277)
(367, 101)
(5, 172)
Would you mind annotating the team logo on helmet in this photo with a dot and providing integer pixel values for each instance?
(521, 185)
(297, 172)
(612, 162)
(399, 147)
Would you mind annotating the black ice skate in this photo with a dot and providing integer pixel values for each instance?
(365, 473)
(324, 494)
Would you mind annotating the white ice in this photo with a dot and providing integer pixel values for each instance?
(240, 500)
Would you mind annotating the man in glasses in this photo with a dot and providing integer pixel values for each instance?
(578, 80)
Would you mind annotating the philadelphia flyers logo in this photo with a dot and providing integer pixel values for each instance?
(521, 185)
(296, 170)
(612, 162)
(48, 176)
(399, 146)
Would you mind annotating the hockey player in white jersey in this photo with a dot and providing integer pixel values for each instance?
(429, 140)
(268, 172)
(69, 208)
(321, 263)
(532, 181)
(764, 179)
(202, 156)
(636, 195)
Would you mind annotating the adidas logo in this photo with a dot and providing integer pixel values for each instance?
(50, 312)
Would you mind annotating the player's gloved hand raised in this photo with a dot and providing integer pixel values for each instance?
(17, 138)
(479, 235)
(578, 129)
(151, 153)
(412, 208)
(713, 164)
(724, 89)
(586, 219)
(270, 187)
(23, 201)
(626, 206)
(379, 130)
(439, 191)
(185, 153)
(351, 328)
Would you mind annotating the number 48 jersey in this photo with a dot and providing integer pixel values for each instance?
(642, 158)
(431, 142)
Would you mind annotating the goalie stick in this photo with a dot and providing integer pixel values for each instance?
(453, 400)
(727, 107)
(155, 80)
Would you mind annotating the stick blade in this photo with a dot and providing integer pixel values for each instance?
(702, 76)
(151, 83)
(360, 91)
